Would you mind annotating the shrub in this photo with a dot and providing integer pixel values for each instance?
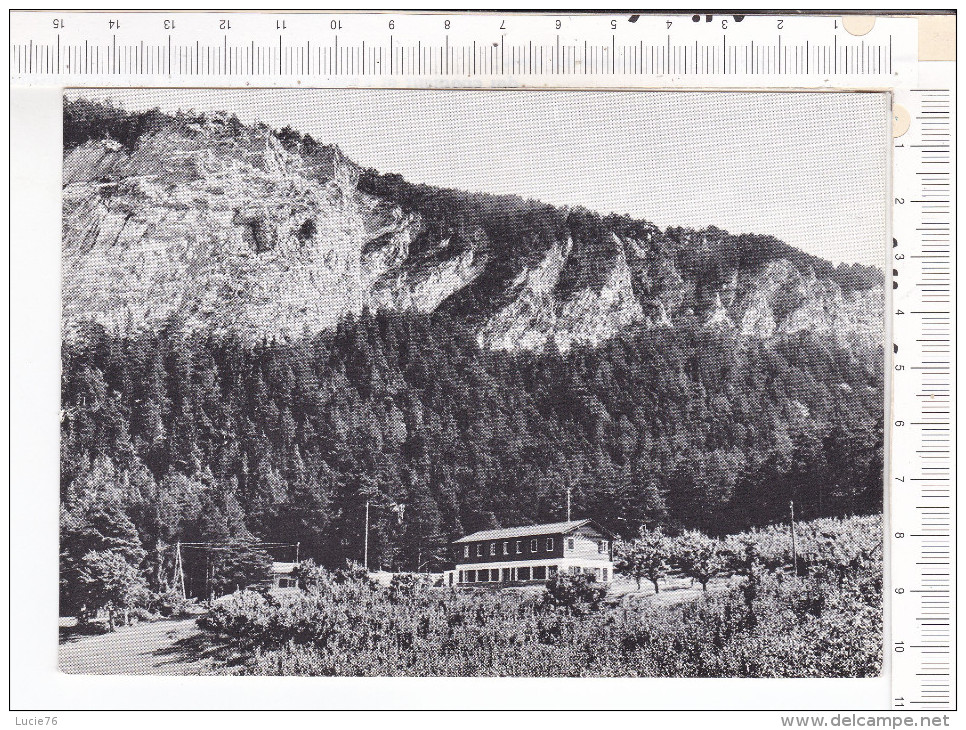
(141, 614)
(577, 594)
(406, 586)
(244, 618)
(171, 604)
(353, 573)
(309, 575)
(766, 626)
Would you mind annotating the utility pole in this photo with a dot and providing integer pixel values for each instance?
(791, 507)
(179, 571)
(568, 503)
(297, 546)
(365, 541)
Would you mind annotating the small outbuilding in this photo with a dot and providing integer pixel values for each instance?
(283, 575)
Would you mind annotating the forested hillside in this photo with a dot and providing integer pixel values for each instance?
(202, 438)
(239, 366)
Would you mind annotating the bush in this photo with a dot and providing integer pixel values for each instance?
(827, 624)
(577, 594)
(309, 575)
(141, 614)
(405, 586)
(171, 604)
(353, 573)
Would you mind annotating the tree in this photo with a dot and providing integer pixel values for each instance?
(239, 565)
(698, 556)
(646, 557)
(108, 581)
(93, 519)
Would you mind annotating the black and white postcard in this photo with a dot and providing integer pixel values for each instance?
(460, 383)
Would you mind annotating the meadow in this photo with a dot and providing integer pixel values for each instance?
(821, 617)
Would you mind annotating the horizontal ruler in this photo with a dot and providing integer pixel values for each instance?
(197, 46)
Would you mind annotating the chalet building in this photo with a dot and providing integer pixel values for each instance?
(533, 553)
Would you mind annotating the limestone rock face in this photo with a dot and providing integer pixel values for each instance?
(232, 234)
(224, 229)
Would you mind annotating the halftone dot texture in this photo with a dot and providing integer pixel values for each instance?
(207, 230)
(164, 647)
(810, 168)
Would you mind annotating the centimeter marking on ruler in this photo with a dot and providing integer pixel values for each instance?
(923, 474)
(200, 45)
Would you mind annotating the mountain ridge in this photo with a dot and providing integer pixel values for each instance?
(261, 338)
(268, 234)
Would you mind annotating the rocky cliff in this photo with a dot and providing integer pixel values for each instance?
(229, 229)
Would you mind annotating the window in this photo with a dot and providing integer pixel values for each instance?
(492, 548)
(506, 548)
(570, 543)
(540, 573)
(462, 577)
(574, 570)
(482, 575)
(479, 550)
(470, 576)
(466, 551)
(495, 574)
(551, 571)
(605, 574)
(602, 546)
(523, 574)
(519, 546)
(533, 545)
(549, 544)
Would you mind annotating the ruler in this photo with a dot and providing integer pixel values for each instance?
(923, 504)
(623, 50)
(201, 48)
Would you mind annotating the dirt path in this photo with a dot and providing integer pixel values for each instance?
(160, 647)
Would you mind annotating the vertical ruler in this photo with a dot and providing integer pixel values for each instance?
(923, 478)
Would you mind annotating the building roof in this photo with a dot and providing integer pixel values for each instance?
(283, 568)
(550, 528)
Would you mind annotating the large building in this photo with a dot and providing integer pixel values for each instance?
(532, 553)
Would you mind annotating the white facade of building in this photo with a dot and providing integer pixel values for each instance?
(534, 553)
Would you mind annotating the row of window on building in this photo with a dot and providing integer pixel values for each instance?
(534, 547)
(513, 575)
